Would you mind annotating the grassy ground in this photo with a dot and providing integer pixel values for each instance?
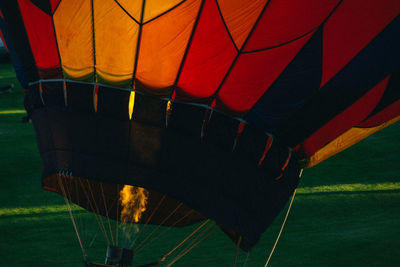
(346, 212)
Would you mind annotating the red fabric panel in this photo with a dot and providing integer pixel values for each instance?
(54, 4)
(345, 120)
(284, 21)
(385, 115)
(353, 25)
(254, 73)
(1, 33)
(2, 39)
(39, 28)
(209, 57)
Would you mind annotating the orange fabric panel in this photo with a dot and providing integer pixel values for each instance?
(73, 26)
(133, 7)
(116, 36)
(346, 140)
(240, 16)
(163, 44)
(154, 8)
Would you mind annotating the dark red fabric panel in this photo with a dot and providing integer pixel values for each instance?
(284, 21)
(200, 77)
(40, 31)
(54, 4)
(254, 73)
(344, 121)
(352, 26)
(2, 39)
(385, 115)
(1, 33)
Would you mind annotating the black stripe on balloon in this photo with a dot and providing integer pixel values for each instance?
(43, 5)
(55, 38)
(291, 90)
(189, 44)
(376, 61)
(226, 26)
(16, 29)
(391, 94)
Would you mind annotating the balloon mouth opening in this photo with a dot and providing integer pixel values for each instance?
(108, 200)
(161, 209)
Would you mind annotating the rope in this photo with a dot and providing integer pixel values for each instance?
(147, 222)
(280, 232)
(247, 257)
(184, 240)
(162, 233)
(105, 206)
(237, 251)
(194, 242)
(283, 224)
(98, 210)
(72, 217)
(96, 215)
(192, 245)
(116, 221)
(142, 245)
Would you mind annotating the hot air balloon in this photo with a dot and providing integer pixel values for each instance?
(184, 111)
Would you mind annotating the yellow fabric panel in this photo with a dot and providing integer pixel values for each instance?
(240, 16)
(346, 140)
(116, 36)
(154, 8)
(133, 7)
(163, 45)
(73, 26)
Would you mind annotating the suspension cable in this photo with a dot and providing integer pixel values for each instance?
(96, 215)
(184, 240)
(105, 206)
(283, 223)
(166, 230)
(116, 221)
(237, 251)
(247, 258)
(193, 244)
(72, 217)
(147, 222)
(139, 247)
(280, 231)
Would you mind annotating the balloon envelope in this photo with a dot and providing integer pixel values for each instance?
(213, 104)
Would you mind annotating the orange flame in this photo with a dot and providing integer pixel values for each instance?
(133, 201)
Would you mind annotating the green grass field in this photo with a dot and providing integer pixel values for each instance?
(346, 211)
